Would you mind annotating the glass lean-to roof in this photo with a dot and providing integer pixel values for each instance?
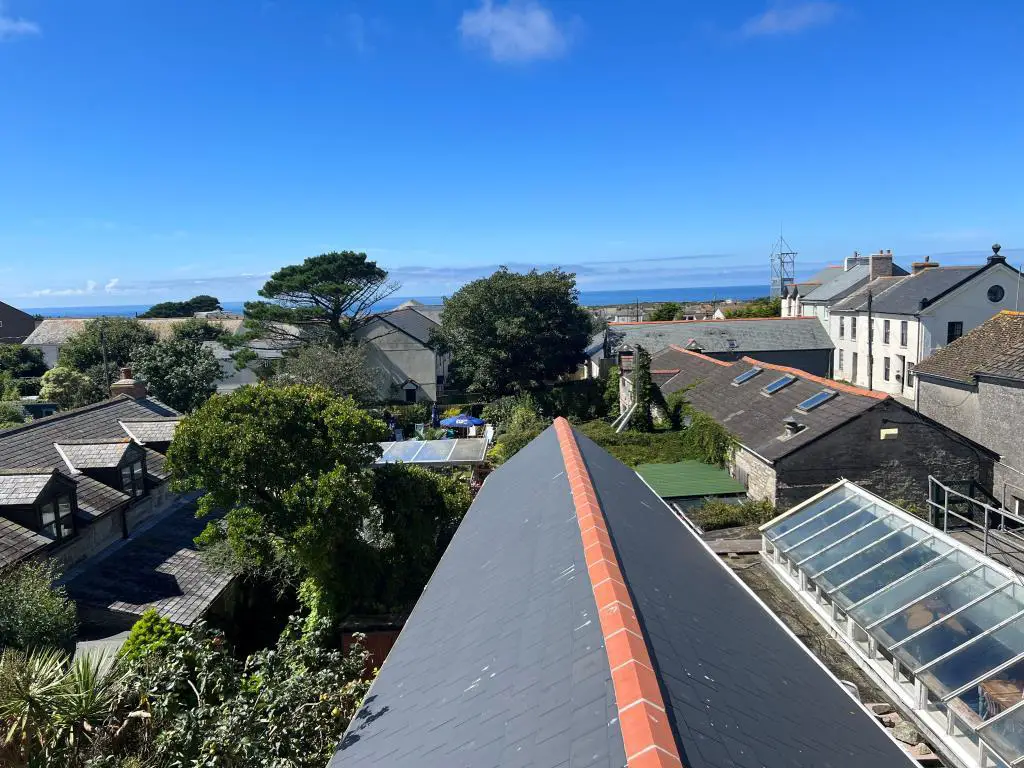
(951, 617)
(467, 450)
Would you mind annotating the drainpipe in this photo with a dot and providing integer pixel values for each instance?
(871, 342)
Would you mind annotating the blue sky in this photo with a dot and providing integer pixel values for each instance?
(153, 150)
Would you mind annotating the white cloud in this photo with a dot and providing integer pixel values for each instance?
(12, 27)
(519, 30)
(111, 285)
(90, 287)
(790, 18)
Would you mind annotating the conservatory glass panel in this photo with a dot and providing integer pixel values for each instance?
(975, 660)
(856, 541)
(802, 517)
(891, 595)
(884, 549)
(404, 451)
(1006, 735)
(934, 605)
(846, 524)
(435, 451)
(471, 449)
(384, 447)
(955, 631)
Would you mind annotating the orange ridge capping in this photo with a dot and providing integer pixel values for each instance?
(1012, 312)
(727, 320)
(830, 383)
(646, 733)
(698, 354)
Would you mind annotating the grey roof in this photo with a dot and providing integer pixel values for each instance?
(502, 660)
(595, 349)
(79, 456)
(22, 488)
(815, 281)
(905, 296)
(58, 330)
(96, 499)
(156, 466)
(996, 347)
(18, 542)
(429, 311)
(152, 430)
(755, 419)
(840, 285)
(738, 336)
(159, 568)
(411, 322)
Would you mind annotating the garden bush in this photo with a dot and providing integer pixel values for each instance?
(715, 514)
(151, 634)
(33, 612)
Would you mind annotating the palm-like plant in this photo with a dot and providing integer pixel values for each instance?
(31, 687)
(86, 707)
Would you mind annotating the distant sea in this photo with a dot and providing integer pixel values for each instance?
(588, 298)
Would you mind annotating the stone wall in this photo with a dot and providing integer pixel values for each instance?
(756, 475)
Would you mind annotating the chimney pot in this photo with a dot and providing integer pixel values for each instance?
(126, 373)
(127, 385)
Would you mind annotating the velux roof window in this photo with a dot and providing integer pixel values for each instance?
(779, 383)
(746, 376)
(814, 401)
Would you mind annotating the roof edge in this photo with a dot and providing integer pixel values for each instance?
(726, 320)
(700, 355)
(647, 737)
(839, 386)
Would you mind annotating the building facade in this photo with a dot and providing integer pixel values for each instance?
(400, 349)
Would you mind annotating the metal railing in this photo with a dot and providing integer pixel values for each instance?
(953, 510)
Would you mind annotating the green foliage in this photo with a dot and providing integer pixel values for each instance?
(643, 417)
(179, 372)
(704, 439)
(28, 385)
(33, 611)
(183, 308)
(634, 448)
(8, 389)
(122, 336)
(343, 370)
(666, 311)
(407, 416)
(511, 332)
(11, 414)
(524, 423)
(243, 357)
(198, 329)
(763, 307)
(325, 299)
(69, 388)
(611, 391)
(151, 634)
(715, 514)
(21, 361)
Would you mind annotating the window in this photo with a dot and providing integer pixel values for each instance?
(996, 293)
(49, 520)
(779, 383)
(853, 328)
(839, 365)
(814, 401)
(886, 368)
(954, 330)
(910, 374)
(440, 380)
(132, 481)
(746, 376)
(885, 331)
(842, 327)
(1018, 505)
(67, 524)
(903, 333)
(410, 395)
(853, 367)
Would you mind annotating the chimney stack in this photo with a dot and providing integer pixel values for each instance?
(792, 426)
(880, 264)
(995, 258)
(127, 385)
(920, 266)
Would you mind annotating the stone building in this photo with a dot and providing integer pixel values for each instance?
(976, 386)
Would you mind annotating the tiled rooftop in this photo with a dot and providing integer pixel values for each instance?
(18, 542)
(22, 488)
(152, 430)
(79, 456)
(996, 346)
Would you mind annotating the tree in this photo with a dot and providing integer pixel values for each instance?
(8, 387)
(179, 372)
(121, 336)
(290, 463)
(21, 361)
(198, 329)
(666, 311)
(512, 332)
(69, 389)
(643, 417)
(342, 370)
(327, 298)
(763, 307)
(33, 612)
(186, 308)
(11, 414)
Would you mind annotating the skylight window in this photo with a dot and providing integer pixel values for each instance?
(746, 376)
(779, 383)
(814, 401)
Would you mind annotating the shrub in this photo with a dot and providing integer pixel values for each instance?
(633, 448)
(28, 386)
(715, 514)
(611, 391)
(704, 439)
(11, 415)
(151, 634)
(33, 612)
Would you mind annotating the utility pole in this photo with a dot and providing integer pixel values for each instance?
(871, 344)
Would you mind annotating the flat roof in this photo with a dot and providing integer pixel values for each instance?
(465, 451)
(689, 478)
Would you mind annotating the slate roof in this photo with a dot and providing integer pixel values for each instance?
(687, 479)
(723, 336)
(57, 330)
(22, 488)
(96, 499)
(754, 418)
(505, 660)
(995, 347)
(79, 456)
(411, 322)
(904, 296)
(804, 287)
(18, 542)
(153, 430)
(159, 568)
(429, 311)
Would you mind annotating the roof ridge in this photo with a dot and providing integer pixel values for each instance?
(53, 418)
(726, 320)
(643, 722)
(830, 383)
(700, 355)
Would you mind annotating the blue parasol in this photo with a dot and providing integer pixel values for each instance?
(462, 420)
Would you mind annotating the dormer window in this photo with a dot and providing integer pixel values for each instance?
(56, 517)
(132, 481)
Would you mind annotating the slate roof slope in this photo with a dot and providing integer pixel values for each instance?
(18, 542)
(411, 322)
(839, 285)
(152, 430)
(996, 346)
(91, 455)
(905, 296)
(740, 690)
(755, 419)
(716, 336)
(22, 488)
(31, 445)
(501, 662)
(58, 330)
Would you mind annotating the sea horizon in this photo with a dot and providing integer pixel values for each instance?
(587, 298)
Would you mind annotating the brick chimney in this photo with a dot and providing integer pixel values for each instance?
(880, 264)
(126, 385)
(921, 266)
(995, 258)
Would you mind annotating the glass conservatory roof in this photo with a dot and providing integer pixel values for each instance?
(951, 616)
(465, 451)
